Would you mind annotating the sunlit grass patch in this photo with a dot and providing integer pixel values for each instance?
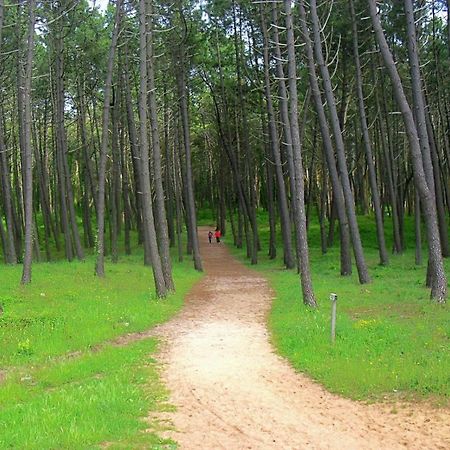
(62, 385)
(67, 308)
(83, 402)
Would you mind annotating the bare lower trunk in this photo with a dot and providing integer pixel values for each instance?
(135, 158)
(100, 263)
(384, 259)
(417, 226)
(252, 245)
(183, 103)
(274, 142)
(115, 183)
(439, 189)
(147, 204)
(305, 273)
(160, 209)
(439, 280)
(189, 181)
(363, 273)
(339, 202)
(10, 248)
(27, 150)
(287, 133)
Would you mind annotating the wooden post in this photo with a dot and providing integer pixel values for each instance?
(333, 298)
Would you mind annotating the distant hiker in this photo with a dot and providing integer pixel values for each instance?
(217, 235)
(210, 235)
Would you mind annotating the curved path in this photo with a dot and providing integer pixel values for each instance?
(233, 392)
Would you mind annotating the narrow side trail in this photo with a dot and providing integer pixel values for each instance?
(233, 392)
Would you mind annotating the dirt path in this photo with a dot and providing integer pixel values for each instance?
(233, 392)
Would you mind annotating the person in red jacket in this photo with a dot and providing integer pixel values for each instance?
(217, 235)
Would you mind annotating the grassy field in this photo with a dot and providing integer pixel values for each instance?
(391, 341)
(62, 385)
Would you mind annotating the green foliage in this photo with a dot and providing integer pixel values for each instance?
(390, 339)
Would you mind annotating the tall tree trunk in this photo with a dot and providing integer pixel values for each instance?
(439, 188)
(252, 246)
(305, 273)
(178, 195)
(10, 249)
(127, 210)
(100, 263)
(430, 166)
(168, 175)
(114, 198)
(135, 158)
(89, 176)
(67, 197)
(384, 259)
(86, 177)
(417, 226)
(363, 273)
(182, 93)
(274, 141)
(27, 150)
(439, 280)
(160, 210)
(147, 203)
(338, 196)
(287, 134)
(389, 172)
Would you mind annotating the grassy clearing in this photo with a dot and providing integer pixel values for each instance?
(83, 403)
(391, 341)
(60, 389)
(66, 308)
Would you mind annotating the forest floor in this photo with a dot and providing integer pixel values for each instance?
(232, 391)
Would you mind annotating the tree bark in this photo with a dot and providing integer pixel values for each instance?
(287, 134)
(252, 245)
(27, 150)
(305, 272)
(363, 273)
(147, 203)
(339, 202)
(182, 94)
(10, 249)
(431, 165)
(439, 280)
(100, 263)
(384, 259)
(417, 226)
(135, 158)
(274, 142)
(160, 209)
(67, 197)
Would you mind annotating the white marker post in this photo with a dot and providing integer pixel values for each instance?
(333, 298)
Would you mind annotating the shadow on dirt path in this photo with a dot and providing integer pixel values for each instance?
(232, 391)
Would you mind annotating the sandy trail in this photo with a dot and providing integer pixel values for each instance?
(232, 391)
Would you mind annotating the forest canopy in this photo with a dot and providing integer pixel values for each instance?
(119, 124)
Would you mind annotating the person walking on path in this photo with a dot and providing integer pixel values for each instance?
(210, 235)
(217, 235)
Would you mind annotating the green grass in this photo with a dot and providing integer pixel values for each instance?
(63, 385)
(84, 402)
(391, 341)
(67, 308)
